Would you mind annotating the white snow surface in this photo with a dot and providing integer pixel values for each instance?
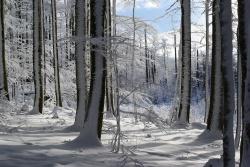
(40, 140)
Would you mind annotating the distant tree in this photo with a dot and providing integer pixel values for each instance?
(3, 71)
(55, 54)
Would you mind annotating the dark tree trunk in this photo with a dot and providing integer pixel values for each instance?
(185, 93)
(244, 40)
(3, 71)
(227, 82)
(214, 122)
(55, 54)
(38, 54)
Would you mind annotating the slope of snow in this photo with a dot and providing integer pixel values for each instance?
(39, 140)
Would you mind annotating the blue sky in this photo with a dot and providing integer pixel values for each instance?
(149, 10)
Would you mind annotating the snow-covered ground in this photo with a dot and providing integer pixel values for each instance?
(39, 141)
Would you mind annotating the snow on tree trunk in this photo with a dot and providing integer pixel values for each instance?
(55, 54)
(214, 122)
(89, 133)
(239, 96)
(38, 55)
(207, 72)
(3, 71)
(184, 108)
(133, 61)
(80, 64)
(227, 82)
(244, 35)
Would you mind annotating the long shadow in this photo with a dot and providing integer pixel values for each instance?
(53, 155)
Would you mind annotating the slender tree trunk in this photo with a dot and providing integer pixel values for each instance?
(185, 95)
(66, 13)
(239, 96)
(175, 56)
(109, 79)
(55, 54)
(146, 55)
(207, 70)
(227, 82)
(3, 71)
(133, 61)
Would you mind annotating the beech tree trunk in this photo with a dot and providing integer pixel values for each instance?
(3, 71)
(38, 54)
(55, 54)
(227, 82)
(185, 94)
(244, 38)
(80, 64)
(214, 122)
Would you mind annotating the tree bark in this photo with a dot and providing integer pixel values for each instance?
(38, 54)
(185, 94)
(3, 71)
(244, 39)
(55, 54)
(227, 82)
(214, 121)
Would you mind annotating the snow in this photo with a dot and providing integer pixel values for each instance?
(40, 140)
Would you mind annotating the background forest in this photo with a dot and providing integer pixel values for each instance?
(99, 79)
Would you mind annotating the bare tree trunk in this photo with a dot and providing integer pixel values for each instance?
(239, 96)
(133, 60)
(214, 121)
(207, 62)
(80, 65)
(244, 39)
(55, 54)
(175, 56)
(227, 82)
(185, 95)
(3, 71)
(38, 55)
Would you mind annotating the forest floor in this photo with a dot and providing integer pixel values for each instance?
(38, 141)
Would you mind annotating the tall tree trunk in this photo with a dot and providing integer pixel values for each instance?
(80, 64)
(175, 57)
(207, 70)
(98, 63)
(55, 54)
(185, 94)
(133, 61)
(109, 79)
(3, 71)
(244, 39)
(146, 56)
(90, 133)
(38, 54)
(214, 121)
(239, 96)
(227, 82)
